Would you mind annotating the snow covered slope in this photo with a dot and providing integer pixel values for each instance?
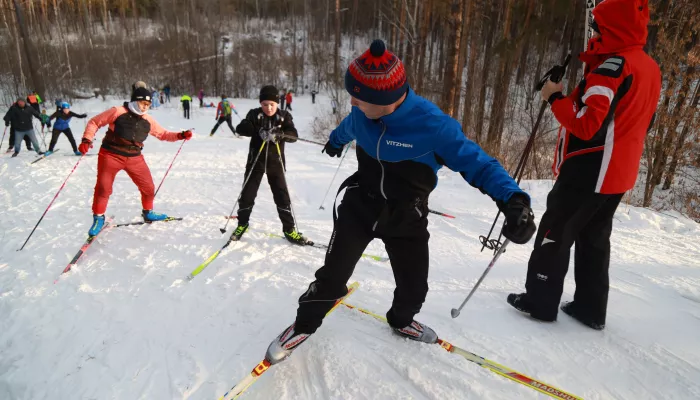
(124, 324)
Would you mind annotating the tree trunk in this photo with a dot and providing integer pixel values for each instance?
(450, 86)
(485, 71)
(471, 75)
(680, 142)
(468, 8)
(32, 65)
(419, 76)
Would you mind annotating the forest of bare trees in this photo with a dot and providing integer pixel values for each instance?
(479, 60)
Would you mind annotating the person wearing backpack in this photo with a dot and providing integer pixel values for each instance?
(223, 114)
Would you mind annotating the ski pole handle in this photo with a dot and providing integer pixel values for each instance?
(555, 74)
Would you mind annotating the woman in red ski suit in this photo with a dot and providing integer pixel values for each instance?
(129, 127)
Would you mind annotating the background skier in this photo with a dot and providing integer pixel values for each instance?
(264, 125)
(223, 114)
(62, 125)
(129, 127)
(186, 101)
(19, 117)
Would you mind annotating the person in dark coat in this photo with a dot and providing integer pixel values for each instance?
(19, 116)
(268, 127)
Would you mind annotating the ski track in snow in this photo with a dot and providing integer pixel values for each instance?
(126, 324)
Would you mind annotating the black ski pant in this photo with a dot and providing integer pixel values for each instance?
(27, 140)
(573, 216)
(221, 120)
(363, 216)
(278, 185)
(54, 138)
(186, 110)
(288, 107)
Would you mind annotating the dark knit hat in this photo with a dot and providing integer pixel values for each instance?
(377, 76)
(270, 93)
(141, 93)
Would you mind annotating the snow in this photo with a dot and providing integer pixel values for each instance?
(125, 324)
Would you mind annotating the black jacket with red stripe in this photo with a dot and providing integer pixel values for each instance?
(606, 118)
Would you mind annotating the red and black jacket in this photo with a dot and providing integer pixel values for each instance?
(607, 116)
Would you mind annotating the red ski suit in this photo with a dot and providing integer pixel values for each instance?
(607, 117)
(121, 150)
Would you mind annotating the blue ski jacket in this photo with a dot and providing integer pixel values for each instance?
(399, 154)
(63, 120)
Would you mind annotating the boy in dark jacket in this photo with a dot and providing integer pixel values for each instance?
(265, 126)
(20, 117)
(62, 125)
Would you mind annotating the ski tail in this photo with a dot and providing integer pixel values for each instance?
(236, 391)
(85, 246)
(492, 366)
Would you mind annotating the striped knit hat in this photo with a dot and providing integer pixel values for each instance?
(377, 76)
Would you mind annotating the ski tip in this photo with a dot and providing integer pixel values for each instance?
(189, 277)
(321, 208)
(222, 230)
(454, 313)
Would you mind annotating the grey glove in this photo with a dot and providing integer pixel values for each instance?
(269, 135)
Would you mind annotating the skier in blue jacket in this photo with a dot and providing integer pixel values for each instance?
(62, 125)
(402, 141)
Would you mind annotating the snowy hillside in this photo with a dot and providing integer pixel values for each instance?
(125, 324)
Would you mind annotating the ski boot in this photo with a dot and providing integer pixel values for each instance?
(48, 153)
(297, 238)
(98, 222)
(151, 216)
(569, 307)
(15, 154)
(77, 153)
(418, 332)
(284, 344)
(238, 233)
(522, 303)
(10, 149)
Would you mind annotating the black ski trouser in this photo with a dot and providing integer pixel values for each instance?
(27, 141)
(54, 138)
(186, 111)
(278, 185)
(221, 120)
(363, 216)
(583, 218)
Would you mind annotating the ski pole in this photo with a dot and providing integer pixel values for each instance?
(171, 165)
(284, 174)
(555, 74)
(3, 137)
(300, 139)
(54, 199)
(245, 181)
(455, 311)
(334, 175)
(441, 214)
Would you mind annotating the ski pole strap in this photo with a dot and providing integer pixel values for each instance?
(352, 181)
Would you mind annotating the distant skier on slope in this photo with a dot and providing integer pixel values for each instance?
(19, 116)
(62, 125)
(186, 101)
(597, 160)
(402, 141)
(265, 125)
(223, 114)
(129, 127)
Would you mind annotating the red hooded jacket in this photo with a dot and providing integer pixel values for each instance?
(606, 118)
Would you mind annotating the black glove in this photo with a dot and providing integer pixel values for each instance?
(520, 221)
(332, 151)
(268, 135)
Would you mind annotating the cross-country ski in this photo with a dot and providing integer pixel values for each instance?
(513, 184)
